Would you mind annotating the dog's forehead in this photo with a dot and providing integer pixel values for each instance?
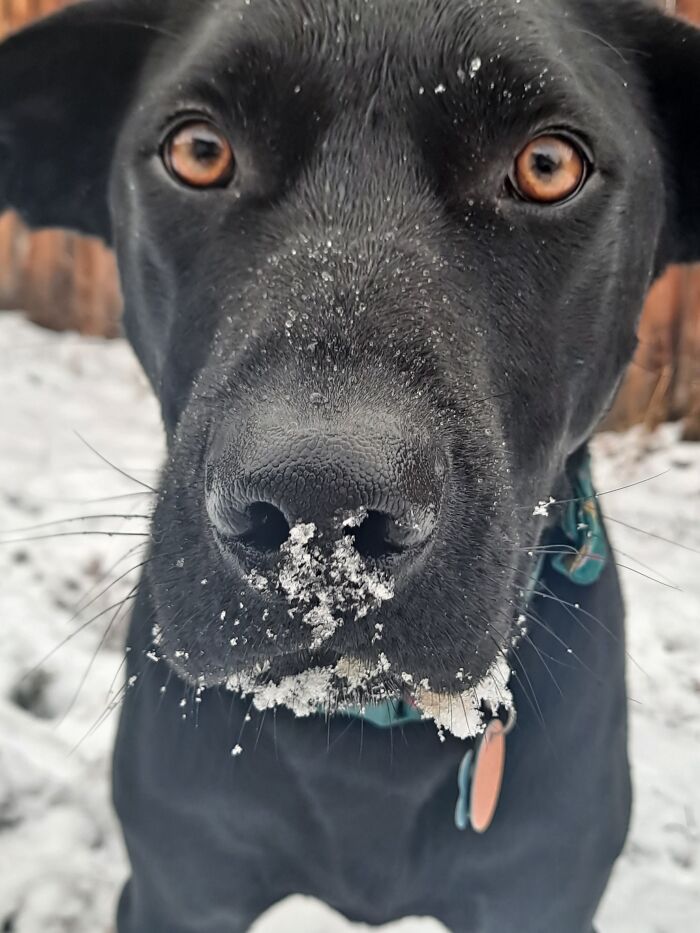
(403, 38)
(371, 23)
(359, 25)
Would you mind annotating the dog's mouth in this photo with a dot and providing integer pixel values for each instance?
(291, 664)
(325, 683)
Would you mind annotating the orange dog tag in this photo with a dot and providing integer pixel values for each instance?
(487, 776)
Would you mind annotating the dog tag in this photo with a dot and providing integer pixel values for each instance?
(487, 776)
(480, 779)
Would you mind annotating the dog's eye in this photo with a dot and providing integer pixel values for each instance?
(549, 170)
(198, 155)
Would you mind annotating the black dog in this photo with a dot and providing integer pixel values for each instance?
(382, 263)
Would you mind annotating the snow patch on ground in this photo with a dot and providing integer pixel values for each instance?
(656, 886)
(60, 850)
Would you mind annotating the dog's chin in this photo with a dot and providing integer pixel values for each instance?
(265, 671)
(198, 667)
(353, 673)
(309, 683)
(325, 679)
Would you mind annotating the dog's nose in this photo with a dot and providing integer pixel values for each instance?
(383, 490)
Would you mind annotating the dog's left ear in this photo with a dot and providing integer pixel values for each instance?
(65, 85)
(667, 53)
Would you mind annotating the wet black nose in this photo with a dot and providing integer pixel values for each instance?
(382, 488)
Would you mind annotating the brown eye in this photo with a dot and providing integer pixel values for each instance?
(199, 155)
(549, 170)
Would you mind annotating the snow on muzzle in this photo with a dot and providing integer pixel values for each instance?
(326, 585)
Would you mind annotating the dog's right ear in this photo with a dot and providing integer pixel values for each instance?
(666, 52)
(66, 83)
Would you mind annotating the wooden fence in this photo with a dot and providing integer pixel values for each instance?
(63, 281)
(66, 281)
(663, 382)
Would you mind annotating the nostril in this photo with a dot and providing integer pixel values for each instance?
(266, 527)
(381, 535)
(372, 537)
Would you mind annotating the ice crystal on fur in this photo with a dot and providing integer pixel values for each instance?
(326, 587)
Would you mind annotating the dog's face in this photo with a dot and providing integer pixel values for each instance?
(383, 264)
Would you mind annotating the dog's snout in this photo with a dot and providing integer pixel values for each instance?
(382, 490)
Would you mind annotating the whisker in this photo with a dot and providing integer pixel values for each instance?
(83, 606)
(545, 665)
(164, 687)
(572, 608)
(102, 718)
(651, 534)
(77, 534)
(114, 466)
(246, 720)
(101, 642)
(74, 500)
(260, 729)
(527, 687)
(532, 616)
(69, 637)
(543, 591)
(597, 495)
(147, 27)
(328, 720)
(68, 521)
(662, 576)
(555, 549)
(391, 747)
(118, 671)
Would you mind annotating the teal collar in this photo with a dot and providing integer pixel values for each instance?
(582, 563)
(385, 714)
(582, 524)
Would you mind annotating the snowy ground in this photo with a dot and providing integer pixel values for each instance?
(60, 853)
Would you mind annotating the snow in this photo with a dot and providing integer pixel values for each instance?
(60, 850)
(349, 683)
(326, 581)
(328, 586)
(464, 718)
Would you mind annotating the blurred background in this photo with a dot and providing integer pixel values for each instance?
(67, 282)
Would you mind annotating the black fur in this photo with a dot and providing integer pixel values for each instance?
(371, 256)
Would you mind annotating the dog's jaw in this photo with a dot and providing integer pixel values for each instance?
(350, 686)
